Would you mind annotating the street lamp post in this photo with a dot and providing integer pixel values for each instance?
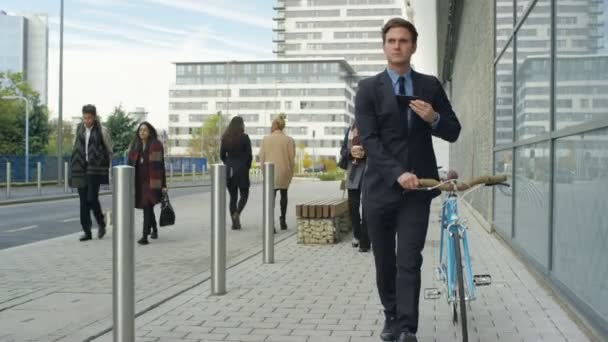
(27, 132)
(60, 103)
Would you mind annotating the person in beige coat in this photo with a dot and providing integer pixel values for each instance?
(280, 149)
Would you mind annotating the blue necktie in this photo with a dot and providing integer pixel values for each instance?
(401, 80)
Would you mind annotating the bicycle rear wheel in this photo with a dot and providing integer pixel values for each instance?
(461, 294)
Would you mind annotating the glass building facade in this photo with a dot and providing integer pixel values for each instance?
(551, 137)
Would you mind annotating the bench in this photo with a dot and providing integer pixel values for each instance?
(322, 221)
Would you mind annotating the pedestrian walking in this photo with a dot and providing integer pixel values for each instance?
(90, 168)
(147, 155)
(235, 152)
(280, 149)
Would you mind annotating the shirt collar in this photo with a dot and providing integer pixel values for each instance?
(395, 76)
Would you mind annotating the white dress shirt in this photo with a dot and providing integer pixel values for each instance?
(86, 141)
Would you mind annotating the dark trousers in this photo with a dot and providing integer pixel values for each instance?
(359, 226)
(234, 192)
(89, 201)
(283, 200)
(149, 220)
(398, 273)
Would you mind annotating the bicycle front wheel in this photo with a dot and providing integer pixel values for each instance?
(461, 296)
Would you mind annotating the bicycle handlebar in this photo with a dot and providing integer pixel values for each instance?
(455, 185)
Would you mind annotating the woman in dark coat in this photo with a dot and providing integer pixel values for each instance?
(148, 156)
(353, 161)
(235, 152)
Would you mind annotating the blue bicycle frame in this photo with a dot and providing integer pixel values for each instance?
(450, 226)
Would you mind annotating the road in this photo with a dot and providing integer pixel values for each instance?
(30, 222)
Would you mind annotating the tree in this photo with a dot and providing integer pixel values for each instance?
(12, 117)
(122, 130)
(68, 138)
(204, 140)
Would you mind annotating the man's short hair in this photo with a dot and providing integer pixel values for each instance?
(89, 109)
(399, 22)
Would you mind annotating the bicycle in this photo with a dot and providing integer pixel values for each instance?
(454, 247)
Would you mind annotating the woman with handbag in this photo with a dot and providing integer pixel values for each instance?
(235, 152)
(147, 155)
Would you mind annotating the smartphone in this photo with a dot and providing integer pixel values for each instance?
(406, 99)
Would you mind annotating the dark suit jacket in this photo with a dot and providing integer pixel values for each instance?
(391, 150)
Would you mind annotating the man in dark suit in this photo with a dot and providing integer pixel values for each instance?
(396, 134)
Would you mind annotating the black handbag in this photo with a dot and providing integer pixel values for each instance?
(167, 214)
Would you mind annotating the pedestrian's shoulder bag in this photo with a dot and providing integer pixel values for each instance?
(167, 214)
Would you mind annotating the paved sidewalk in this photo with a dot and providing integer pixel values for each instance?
(327, 294)
(61, 289)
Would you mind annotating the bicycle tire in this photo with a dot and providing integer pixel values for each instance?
(461, 293)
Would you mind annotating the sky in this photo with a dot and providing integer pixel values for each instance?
(120, 52)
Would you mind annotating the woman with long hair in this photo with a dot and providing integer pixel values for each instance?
(235, 152)
(147, 155)
(280, 149)
(353, 161)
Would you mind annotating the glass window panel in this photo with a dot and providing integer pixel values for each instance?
(580, 218)
(504, 22)
(521, 6)
(581, 62)
(504, 98)
(503, 205)
(531, 200)
(533, 72)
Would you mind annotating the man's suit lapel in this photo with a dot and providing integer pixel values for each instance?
(417, 86)
(387, 92)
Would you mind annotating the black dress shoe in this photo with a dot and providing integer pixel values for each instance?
(388, 333)
(143, 241)
(407, 337)
(363, 249)
(154, 234)
(101, 232)
(86, 237)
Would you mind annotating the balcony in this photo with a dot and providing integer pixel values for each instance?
(279, 4)
(280, 15)
(278, 26)
(279, 49)
(278, 37)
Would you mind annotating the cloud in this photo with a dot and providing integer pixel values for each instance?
(111, 3)
(221, 11)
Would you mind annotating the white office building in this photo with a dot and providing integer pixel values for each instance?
(24, 41)
(316, 96)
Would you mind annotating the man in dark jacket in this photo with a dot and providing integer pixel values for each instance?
(398, 111)
(90, 165)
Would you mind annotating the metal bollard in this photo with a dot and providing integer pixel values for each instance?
(66, 180)
(171, 173)
(268, 233)
(218, 229)
(183, 172)
(8, 179)
(123, 202)
(39, 177)
(193, 173)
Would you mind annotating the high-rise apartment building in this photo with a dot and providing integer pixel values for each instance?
(348, 29)
(24, 49)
